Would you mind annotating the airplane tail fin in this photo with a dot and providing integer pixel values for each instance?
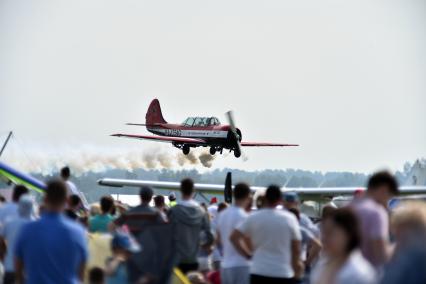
(154, 115)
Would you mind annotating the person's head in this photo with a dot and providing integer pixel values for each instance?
(96, 275)
(18, 191)
(222, 206)
(159, 201)
(55, 196)
(122, 244)
(241, 194)
(74, 201)
(340, 233)
(25, 206)
(172, 196)
(146, 194)
(408, 221)
(65, 173)
(187, 188)
(273, 196)
(107, 204)
(95, 209)
(382, 186)
(291, 200)
(327, 210)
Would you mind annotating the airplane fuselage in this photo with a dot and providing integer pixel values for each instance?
(216, 136)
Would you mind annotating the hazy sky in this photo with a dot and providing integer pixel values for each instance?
(345, 79)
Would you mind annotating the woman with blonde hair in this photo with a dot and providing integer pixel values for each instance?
(408, 224)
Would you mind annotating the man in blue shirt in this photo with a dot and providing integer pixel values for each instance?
(52, 249)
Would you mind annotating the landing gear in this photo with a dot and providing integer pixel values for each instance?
(185, 149)
(212, 150)
(237, 153)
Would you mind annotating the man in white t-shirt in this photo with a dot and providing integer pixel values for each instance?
(10, 209)
(71, 188)
(234, 266)
(273, 242)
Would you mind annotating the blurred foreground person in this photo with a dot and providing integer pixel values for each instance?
(160, 204)
(325, 212)
(137, 218)
(96, 276)
(52, 249)
(2, 200)
(292, 201)
(235, 268)
(342, 262)
(10, 232)
(3, 249)
(271, 237)
(172, 199)
(408, 265)
(74, 205)
(189, 220)
(116, 267)
(100, 222)
(72, 188)
(310, 245)
(10, 209)
(372, 214)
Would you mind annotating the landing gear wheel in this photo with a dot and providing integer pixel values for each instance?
(237, 153)
(212, 150)
(185, 150)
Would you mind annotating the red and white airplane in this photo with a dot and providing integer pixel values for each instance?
(195, 132)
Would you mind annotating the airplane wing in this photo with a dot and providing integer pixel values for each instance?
(14, 176)
(144, 124)
(167, 139)
(265, 144)
(166, 185)
(306, 193)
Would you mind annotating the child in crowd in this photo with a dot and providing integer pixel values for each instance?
(122, 247)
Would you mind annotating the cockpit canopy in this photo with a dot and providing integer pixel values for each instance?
(201, 121)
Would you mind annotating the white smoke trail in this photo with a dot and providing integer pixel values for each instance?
(98, 159)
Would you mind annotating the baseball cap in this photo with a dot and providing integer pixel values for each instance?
(172, 196)
(124, 241)
(291, 196)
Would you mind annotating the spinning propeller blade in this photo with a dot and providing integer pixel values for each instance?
(231, 121)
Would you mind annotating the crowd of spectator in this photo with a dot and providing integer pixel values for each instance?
(163, 240)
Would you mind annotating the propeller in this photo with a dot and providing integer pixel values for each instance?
(237, 150)
(227, 192)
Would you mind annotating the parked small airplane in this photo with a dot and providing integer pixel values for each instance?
(305, 193)
(195, 132)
